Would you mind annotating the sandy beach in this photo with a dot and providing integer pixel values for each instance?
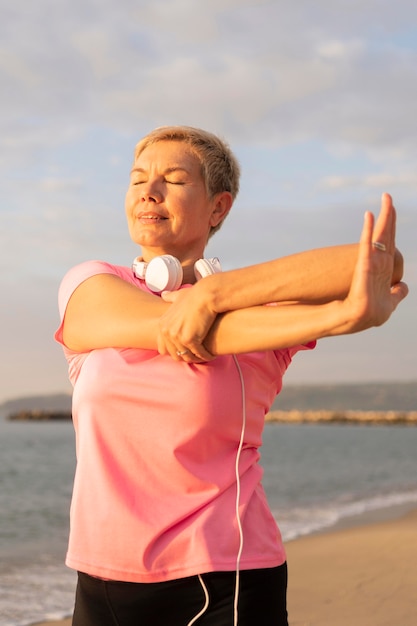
(358, 576)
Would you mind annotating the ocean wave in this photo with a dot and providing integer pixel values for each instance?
(36, 593)
(298, 521)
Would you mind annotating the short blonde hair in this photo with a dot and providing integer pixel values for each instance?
(219, 167)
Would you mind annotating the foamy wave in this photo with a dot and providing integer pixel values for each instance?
(297, 522)
(36, 593)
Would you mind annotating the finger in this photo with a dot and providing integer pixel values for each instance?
(202, 353)
(384, 231)
(365, 242)
(399, 291)
(383, 216)
(166, 347)
(169, 296)
(161, 345)
(195, 355)
(391, 248)
(181, 352)
(389, 236)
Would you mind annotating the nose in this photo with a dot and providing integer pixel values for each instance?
(150, 192)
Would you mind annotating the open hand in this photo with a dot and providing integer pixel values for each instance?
(372, 298)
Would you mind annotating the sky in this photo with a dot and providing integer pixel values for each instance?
(317, 100)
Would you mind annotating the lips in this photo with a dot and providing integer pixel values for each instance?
(150, 217)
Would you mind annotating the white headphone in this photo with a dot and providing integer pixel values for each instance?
(164, 273)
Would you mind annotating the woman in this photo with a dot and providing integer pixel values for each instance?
(169, 521)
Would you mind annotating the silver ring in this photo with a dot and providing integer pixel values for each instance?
(179, 353)
(379, 246)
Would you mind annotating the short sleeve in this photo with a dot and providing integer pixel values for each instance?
(72, 279)
(287, 355)
(307, 346)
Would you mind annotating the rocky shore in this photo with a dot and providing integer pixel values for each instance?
(38, 415)
(408, 418)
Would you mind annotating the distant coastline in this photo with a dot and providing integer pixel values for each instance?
(353, 403)
(407, 418)
(38, 416)
(386, 418)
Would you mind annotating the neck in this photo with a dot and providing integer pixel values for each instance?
(189, 276)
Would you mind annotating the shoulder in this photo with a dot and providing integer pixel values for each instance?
(81, 272)
(91, 268)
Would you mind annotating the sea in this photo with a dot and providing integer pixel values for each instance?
(316, 477)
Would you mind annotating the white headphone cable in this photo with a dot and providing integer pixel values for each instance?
(238, 520)
(239, 523)
(204, 609)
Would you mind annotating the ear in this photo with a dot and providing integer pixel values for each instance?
(222, 203)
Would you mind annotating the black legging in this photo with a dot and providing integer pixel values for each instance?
(262, 600)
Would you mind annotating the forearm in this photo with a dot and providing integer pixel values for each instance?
(314, 276)
(276, 327)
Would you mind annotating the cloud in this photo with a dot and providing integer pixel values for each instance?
(317, 100)
(252, 70)
(382, 180)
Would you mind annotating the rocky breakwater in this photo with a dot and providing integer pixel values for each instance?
(38, 415)
(386, 418)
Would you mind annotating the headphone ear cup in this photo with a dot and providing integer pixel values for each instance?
(206, 267)
(139, 268)
(164, 273)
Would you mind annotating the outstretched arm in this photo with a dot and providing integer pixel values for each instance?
(312, 277)
(370, 302)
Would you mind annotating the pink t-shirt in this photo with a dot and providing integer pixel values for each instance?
(156, 440)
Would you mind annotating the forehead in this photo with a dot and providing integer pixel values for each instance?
(168, 155)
